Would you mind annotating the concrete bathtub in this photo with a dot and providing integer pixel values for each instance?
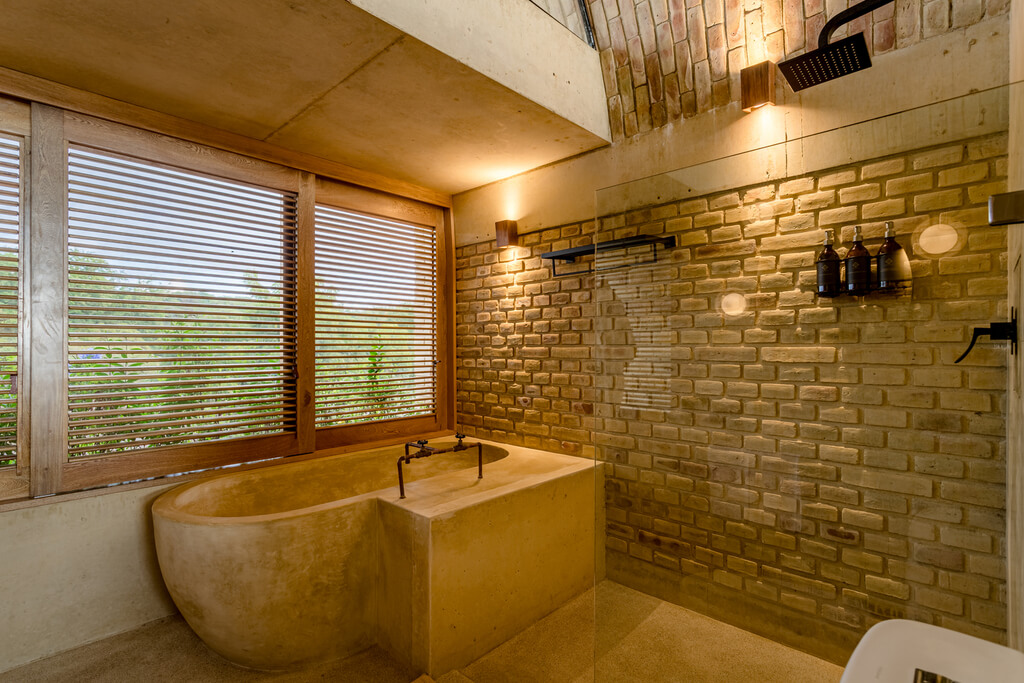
(314, 560)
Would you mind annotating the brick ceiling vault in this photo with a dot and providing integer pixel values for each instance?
(664, 60)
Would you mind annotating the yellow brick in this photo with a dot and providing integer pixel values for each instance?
(963, 175)
(939, 600)
(815, 201)
(908, 184)
(887, 481)
(883, 168)
(939, 157)
(845, 214)
(878, 584)
(862, 560)
(978, 194)
(795, 187)
(861, 518)
(763, 193)
(936, 201)
(859, 193)
(884, 209)
(835, 179)
(725, 201)
(986, 148)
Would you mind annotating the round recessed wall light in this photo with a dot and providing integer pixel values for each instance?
(938, 239)
(734, 304)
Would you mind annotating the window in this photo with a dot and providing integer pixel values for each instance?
(376, 317)
(181, 297)
(189, 308)
(10, 222)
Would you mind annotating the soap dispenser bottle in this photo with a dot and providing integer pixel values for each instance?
(892, 263)
(858, 266)
(829, 278)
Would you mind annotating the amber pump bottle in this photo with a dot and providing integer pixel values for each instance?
(858, 266)
(892, 264)
(829, 281)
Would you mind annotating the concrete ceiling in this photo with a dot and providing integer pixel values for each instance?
(317, 76)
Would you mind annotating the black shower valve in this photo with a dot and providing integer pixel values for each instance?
(995, 332)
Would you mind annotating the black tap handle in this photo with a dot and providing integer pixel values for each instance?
(421, 443)
(979, 332)
(460, 436)
(996, 332)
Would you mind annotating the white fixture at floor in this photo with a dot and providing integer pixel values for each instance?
(893, 651)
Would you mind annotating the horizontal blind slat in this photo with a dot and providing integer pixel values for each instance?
(11, 150)
(375, 318)
(181, 306)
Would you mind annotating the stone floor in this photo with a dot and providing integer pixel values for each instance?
(635, 638)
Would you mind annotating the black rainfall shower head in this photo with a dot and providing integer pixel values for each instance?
(832, 61)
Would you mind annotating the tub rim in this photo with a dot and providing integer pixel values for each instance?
(165, 506)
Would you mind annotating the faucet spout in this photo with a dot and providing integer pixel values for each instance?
(426, 451)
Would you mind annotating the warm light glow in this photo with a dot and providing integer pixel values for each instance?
(511, 200)
(734, 304)
(509, 254)
(938, 239)
(770, 121)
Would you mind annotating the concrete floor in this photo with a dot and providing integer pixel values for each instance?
(635, 638)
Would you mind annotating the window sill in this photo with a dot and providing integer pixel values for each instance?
(173, 480)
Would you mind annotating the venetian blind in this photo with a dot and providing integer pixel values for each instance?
(376, 343)
(181, 295)
(10, 222)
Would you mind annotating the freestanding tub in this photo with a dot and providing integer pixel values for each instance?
(279, 567)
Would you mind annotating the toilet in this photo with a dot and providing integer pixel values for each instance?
(903, 651)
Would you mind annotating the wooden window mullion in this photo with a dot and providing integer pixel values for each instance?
(47, 302)
(305, 326)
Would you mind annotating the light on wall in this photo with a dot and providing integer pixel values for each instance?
(506, 234)
(757, 86)
(734, 304)
(938, 239)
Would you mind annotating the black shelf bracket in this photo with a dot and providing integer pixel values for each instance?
(570, 255)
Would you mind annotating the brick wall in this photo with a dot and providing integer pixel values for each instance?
(668, 59)
(524, 344)
(806, 465)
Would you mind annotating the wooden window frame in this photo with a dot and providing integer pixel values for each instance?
(43, 414)
(341, 195)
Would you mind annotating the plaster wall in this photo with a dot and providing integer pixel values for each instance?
(77, 571)
(946, 67)
(514, 42)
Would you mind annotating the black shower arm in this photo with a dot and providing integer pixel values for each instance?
(846, 16)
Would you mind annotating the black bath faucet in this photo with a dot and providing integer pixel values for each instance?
(426, 451)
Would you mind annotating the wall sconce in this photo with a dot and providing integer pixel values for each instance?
(506, 234)
(757, 86)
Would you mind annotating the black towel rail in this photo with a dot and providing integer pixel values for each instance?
(570, 255)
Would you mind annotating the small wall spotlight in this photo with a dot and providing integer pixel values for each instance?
(757, 86)
(506, 234)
